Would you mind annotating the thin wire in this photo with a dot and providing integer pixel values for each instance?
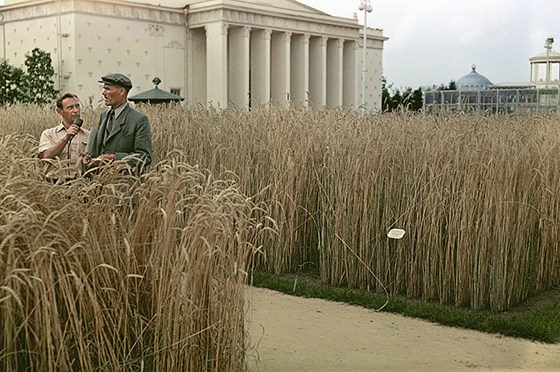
(69, 143)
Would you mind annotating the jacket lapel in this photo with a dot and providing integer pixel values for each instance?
(102, 127)
(117, 125)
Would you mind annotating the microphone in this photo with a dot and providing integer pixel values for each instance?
(79, 123)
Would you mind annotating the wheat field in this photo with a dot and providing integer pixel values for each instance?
(477, 195)
(101, 275)
(278, 189)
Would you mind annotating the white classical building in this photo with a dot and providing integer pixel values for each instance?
(218, 52)
(545, 70)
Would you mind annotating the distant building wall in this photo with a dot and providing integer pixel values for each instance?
(215, 52)
(493, 100)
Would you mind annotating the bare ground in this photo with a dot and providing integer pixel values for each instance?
(298, 334)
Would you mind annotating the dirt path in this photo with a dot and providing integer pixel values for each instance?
(297, 334)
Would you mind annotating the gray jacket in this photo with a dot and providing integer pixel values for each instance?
(131, 135)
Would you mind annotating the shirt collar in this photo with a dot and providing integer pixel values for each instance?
(120, 109)
(60, 127)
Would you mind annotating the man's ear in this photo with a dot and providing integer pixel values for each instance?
(59, 110)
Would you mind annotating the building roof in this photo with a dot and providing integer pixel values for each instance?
(541, 57)
(281, 4)
(289, 5)
(156, 95)
(473, 80)
(522, 85)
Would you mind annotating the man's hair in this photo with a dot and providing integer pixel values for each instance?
(63, 97)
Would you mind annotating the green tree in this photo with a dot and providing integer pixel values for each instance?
(416, 100)
(396, 100)
(452, 85)
(39, 81)
(413, 100)
(385, 95)
(12, 82)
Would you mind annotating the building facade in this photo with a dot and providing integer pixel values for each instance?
(217, 52)
(545, 70)
(476, 93)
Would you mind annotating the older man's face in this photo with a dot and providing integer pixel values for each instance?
(114, 96)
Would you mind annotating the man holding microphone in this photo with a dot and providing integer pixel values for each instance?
(67, 141)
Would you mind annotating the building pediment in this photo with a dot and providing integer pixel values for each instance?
(283, 15)
(290, 5)
(287, 5)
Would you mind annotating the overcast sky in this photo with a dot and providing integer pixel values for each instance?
(432, 42)
(436, 41)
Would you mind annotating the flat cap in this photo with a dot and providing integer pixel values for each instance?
(118, 80)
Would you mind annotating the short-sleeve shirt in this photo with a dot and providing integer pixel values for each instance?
(71, 168)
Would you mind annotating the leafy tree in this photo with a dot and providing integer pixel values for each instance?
(416, 100)
(39, 79)
(35, 85)
(413, 100)
(396, 100)
(385, 95)
(12, 81)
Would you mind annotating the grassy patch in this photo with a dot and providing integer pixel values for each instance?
(537, 319)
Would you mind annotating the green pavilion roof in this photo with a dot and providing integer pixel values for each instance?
(156, 95)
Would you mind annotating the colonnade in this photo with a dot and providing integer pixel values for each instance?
(539, 72)
(241, 66)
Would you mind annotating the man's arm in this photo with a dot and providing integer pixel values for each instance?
(142, 144)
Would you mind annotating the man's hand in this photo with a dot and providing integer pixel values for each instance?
(72, 131)
(105, 158)
(100, 160)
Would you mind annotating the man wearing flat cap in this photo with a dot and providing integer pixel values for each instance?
(122, 131)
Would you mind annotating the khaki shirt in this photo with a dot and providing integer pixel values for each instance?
(72, 168)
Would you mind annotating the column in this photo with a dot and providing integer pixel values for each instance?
(196, 66)
(238, 73)
(2, 41)
(537, 68)
(189, 64)
(318, 71)
(300, 69)
(216, 64)
(349, 78)
(335, 59)
(260, 66)
(280, 66)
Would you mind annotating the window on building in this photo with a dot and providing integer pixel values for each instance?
(176, 91)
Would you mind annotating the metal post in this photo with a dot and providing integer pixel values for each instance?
(59, 44)
(478, 101)
(365, 5)
(548, 45)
